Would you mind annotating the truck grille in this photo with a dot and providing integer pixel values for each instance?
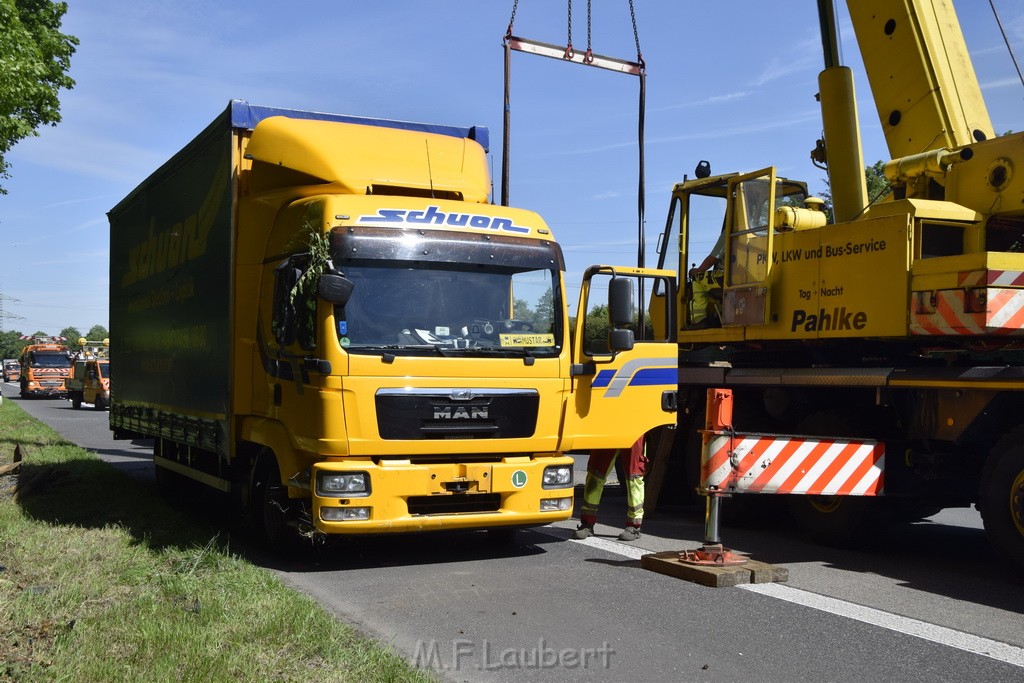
(419, 414)
(454, 504)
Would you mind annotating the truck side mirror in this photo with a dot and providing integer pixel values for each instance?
(620, 339)
(334, 288)
(620, 301)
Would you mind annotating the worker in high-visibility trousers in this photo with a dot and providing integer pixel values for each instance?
(600, 465)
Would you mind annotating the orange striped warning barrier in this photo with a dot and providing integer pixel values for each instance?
(986, 302)
(793, 464)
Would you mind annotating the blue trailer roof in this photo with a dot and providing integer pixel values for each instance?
(246, 116)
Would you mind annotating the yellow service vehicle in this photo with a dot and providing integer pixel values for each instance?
(324, 317)
(90, 374)
(877, 361)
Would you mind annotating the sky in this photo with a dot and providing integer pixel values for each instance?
(730, 82)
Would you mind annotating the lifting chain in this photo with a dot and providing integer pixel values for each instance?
(588, 58)
(636, 36)
(512, 19)
(569, 52)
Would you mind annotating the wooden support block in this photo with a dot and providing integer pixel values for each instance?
(752, 571)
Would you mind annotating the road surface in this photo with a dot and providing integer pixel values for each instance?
(921, 603)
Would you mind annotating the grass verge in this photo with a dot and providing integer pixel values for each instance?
(101, 580)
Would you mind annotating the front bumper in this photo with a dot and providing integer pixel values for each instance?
(47, 392)
(406, 497)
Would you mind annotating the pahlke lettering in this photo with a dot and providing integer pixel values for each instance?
(835, 320)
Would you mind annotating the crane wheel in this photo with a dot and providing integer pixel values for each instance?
(1001, 496)
(830, 520)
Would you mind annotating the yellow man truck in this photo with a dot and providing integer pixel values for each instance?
(45, 367)
(324, 317)
(876, 362)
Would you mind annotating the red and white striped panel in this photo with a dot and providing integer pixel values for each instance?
(1002, 278)
(793, 464)
(1004, 314)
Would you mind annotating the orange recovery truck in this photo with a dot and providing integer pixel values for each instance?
(45, 367)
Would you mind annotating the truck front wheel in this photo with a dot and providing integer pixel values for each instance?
(271, 506)
(1001, 498)
(76, 401)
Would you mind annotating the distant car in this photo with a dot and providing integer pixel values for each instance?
(12, 371)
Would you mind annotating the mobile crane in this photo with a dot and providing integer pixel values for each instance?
(876, 362)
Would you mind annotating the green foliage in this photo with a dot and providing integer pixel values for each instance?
(878, 187)
(303, 297)
(540, 317)
(104, 581)
(319, 256)
(11, 344)
(595, 328)
(34, 59)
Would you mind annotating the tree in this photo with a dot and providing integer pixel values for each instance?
(595, 329)
(97, 333)
(71, 334)
(11, 344)
(878, 187)
(34, 59)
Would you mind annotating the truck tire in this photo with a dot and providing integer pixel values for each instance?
(98, 405)
(830, 520)
(1001, 496)
(271, 507)
(76, 402)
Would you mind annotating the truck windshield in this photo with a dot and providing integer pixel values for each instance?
(451, 309)
(49, 359)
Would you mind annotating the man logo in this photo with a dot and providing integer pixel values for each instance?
(460, 412)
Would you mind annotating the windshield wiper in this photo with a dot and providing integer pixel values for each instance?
(482, 351)
(395, 347)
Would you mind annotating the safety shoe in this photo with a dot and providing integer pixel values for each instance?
(583, 531)
(630, 533)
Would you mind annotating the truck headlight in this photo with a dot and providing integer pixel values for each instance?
(342, 484)
(344, 514)
(557, 477)
(555, 504)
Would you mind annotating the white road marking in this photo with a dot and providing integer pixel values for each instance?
(993, 649)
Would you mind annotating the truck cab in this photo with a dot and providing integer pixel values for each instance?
(12, 370)
(45, 367)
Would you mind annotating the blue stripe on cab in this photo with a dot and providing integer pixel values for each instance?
(655, 376)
